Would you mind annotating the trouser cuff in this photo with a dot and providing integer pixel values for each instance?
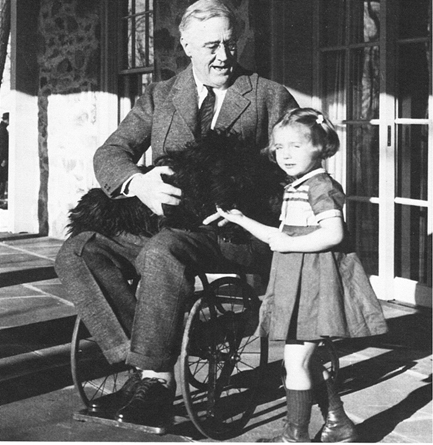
(146, 362)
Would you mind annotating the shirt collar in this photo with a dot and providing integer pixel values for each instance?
(202, 90)
(309, 175)
(199, 83)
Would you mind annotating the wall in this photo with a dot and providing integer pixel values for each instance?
(23, 132)
(69, 64)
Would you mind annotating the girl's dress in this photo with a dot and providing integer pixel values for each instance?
(318, 294)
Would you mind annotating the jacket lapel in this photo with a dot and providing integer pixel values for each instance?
(185, 102)
(185, 98)
(234, 103)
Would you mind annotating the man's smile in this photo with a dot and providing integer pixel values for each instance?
(221, 69)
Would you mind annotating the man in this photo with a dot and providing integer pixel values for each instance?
(94, 268)
(4, 154)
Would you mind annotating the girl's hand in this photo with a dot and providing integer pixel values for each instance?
(279, 241)
(257, 229)
(232, 215)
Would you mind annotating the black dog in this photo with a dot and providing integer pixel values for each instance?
(218, 170)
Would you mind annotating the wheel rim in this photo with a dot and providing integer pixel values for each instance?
(93, 376)
(222, 361)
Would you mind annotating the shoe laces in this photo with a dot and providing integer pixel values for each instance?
(149, 384)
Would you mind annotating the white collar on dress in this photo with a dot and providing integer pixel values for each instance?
(309, 175)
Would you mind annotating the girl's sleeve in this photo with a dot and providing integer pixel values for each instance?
(326, 198)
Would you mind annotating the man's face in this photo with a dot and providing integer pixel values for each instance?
(211, 45)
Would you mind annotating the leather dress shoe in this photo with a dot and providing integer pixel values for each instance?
(151, 404)
(112, 402)
(338, 428)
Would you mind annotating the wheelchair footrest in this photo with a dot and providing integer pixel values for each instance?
(159, 428)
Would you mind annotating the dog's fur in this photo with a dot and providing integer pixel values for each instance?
(218, 170)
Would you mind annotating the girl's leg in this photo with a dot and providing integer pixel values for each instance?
(297, 358)
(299, 393)
(338, 427)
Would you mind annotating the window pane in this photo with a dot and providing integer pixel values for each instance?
(333, 85)
(364, 18)
(365, 83)
(412, 161)
(413, 81)
(363, 160)
(363, 224)
(415, 18)
(332, 23)
(143, 54)
(141, 6)
(131, 87)
(413, 247)
(138, 31)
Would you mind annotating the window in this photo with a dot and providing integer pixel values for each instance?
(350, 60)
(375, 83)
(135, 51)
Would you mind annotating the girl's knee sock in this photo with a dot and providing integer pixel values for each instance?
(298, 416)
(299, 405)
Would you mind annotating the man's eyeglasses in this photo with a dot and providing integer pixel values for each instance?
(228, 46)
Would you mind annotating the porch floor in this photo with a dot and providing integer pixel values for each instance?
(385, 382)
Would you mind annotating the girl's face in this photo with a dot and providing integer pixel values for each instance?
(294, 151)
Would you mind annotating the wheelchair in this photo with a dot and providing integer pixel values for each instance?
(222, 360)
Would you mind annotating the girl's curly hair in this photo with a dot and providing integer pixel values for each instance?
(320, 130)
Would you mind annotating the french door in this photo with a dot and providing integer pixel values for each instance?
(374, 80)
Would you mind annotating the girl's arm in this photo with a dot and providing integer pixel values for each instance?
(259, 230)
(330, 233)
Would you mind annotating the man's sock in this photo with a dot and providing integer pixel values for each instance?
(167, 376)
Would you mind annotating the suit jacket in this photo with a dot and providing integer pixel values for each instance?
(165, 117)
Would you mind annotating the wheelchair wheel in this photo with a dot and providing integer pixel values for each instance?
(222, 361)
(93, 376)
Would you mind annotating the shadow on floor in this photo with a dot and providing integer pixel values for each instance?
(375, 428)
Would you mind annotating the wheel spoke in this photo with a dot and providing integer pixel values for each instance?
(93, 376)
(221, 390)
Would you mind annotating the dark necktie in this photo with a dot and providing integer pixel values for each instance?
(205, 114)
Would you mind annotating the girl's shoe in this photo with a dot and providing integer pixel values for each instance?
(338, 427)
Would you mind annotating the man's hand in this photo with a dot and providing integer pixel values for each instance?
(152, 191)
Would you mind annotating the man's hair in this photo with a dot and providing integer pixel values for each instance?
(203, 10)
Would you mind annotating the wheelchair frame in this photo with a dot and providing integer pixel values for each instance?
(222, 361)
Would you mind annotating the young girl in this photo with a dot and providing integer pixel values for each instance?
(317, 286)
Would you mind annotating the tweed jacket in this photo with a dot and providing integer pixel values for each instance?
(165, 117)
